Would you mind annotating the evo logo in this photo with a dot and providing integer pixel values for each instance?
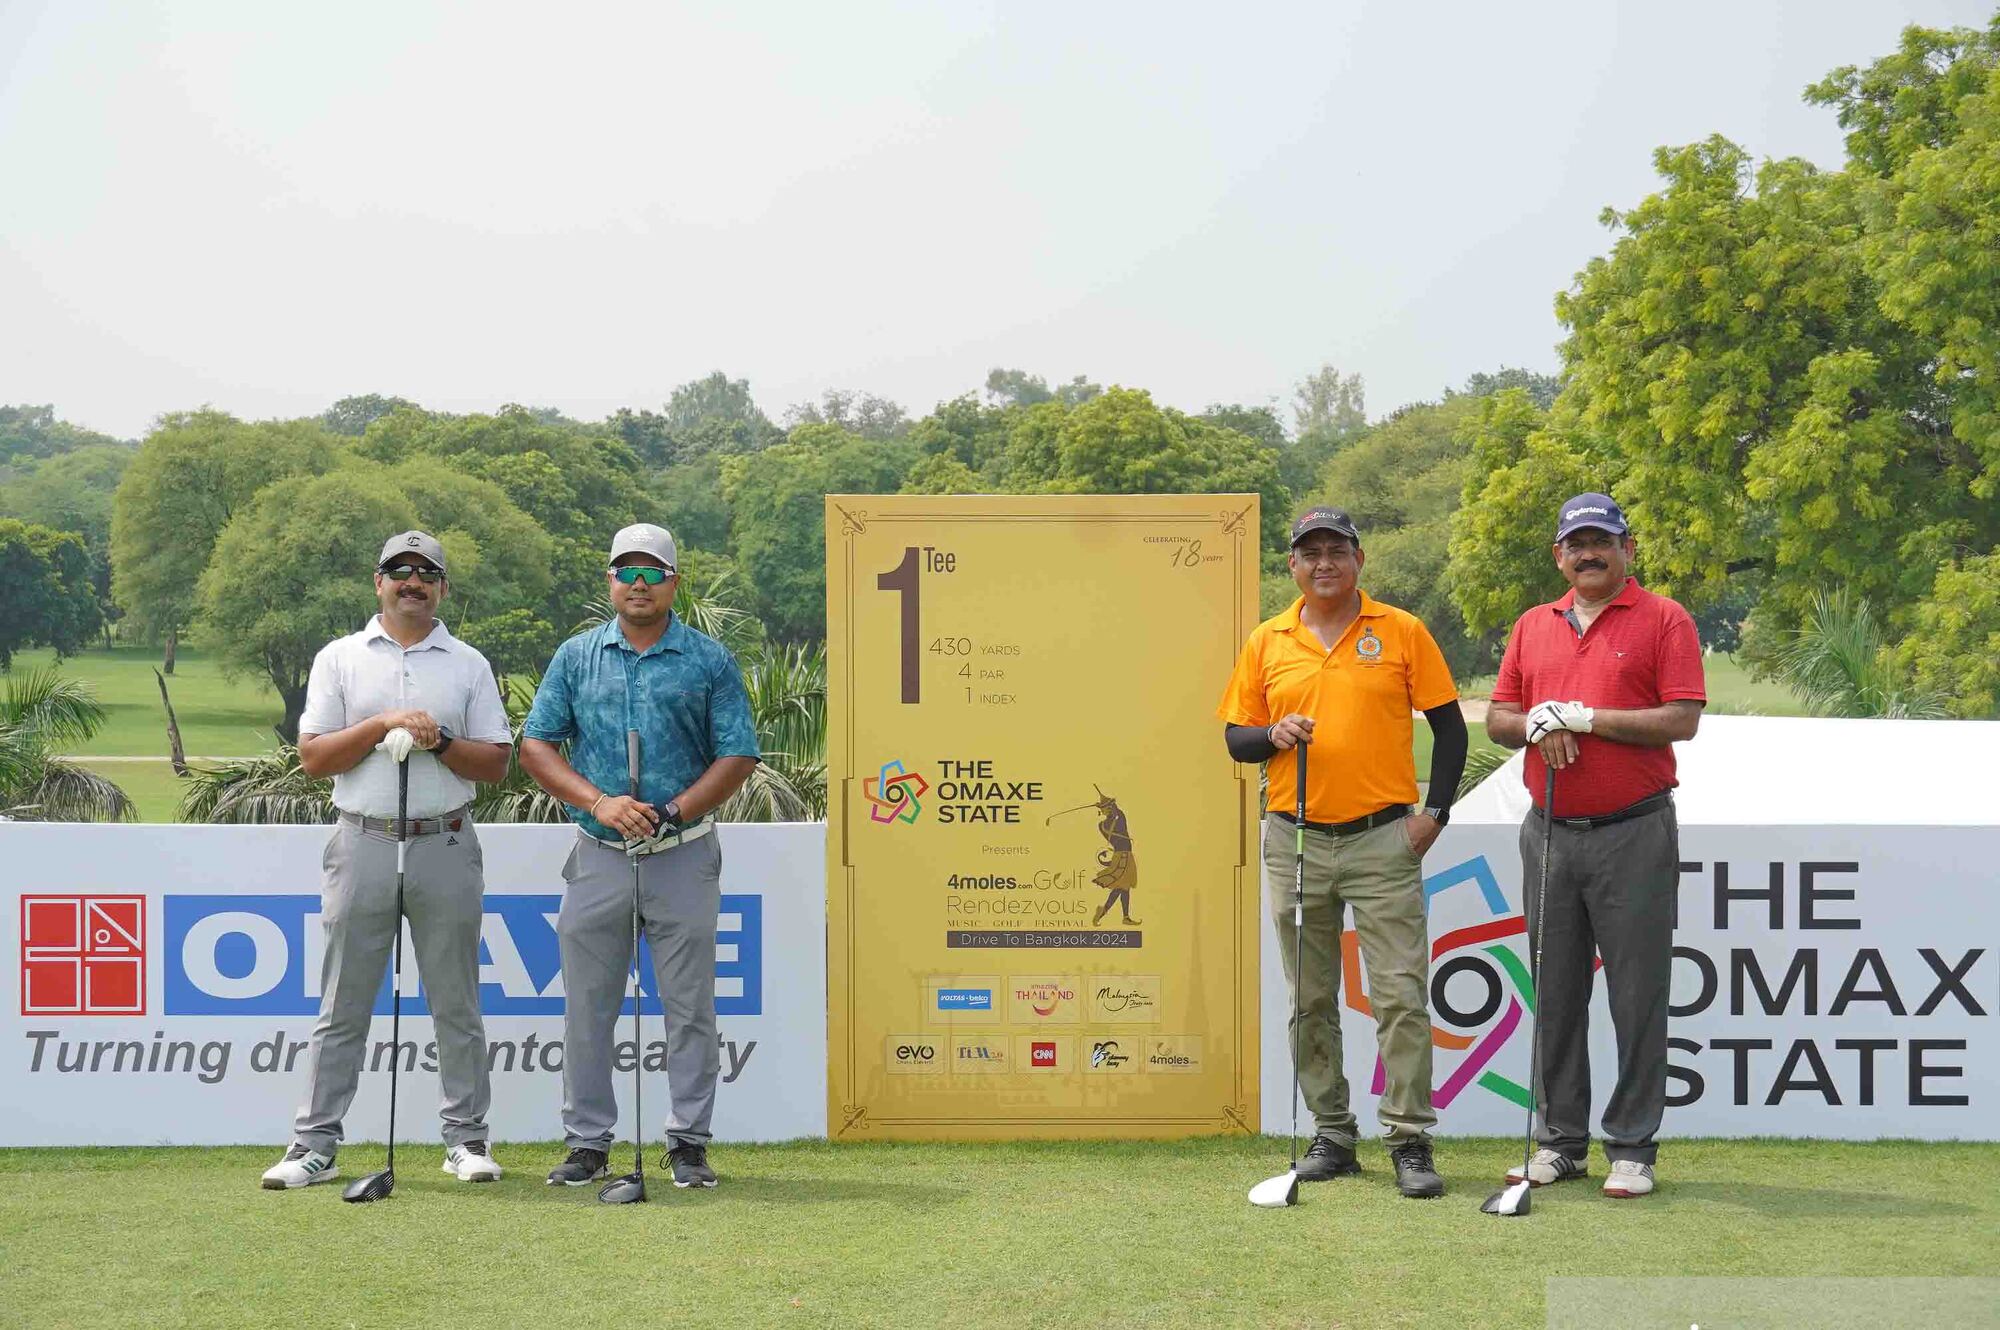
(965, 999)
(261, 956)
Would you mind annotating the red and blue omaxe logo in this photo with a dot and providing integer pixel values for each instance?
(260, 955)
(892, 796)
(83, 955)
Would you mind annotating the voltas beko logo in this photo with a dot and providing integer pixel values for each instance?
(965, 999)
(1471, 961)
(893, 794)
(83, 955)
(260, 955)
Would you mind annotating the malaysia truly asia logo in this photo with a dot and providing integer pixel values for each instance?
(1498, 976)
(894, 794)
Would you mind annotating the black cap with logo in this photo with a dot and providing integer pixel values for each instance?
(1318, 518)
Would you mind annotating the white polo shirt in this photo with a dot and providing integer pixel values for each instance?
(369, 672)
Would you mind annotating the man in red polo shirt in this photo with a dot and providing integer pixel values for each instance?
(1598, 686)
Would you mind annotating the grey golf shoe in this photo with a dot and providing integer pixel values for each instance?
(581, 1167)
(1416, 1172)
(690, 1165)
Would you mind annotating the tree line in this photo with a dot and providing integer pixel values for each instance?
(1789, 376)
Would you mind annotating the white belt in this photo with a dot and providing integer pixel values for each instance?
(664, 840)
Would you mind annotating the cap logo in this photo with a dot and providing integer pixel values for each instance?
(1578, 512)
(414, 541)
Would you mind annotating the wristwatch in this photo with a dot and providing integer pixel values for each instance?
(1443, 815)
(670, 812)
(444, 742)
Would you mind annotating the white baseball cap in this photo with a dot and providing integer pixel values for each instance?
(645, 538)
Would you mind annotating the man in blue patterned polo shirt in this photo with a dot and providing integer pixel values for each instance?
(681, 690)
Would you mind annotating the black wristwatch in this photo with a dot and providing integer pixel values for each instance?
(670, 813)
(1443, 815)
(444, 742)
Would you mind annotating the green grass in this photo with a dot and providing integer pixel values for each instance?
(153, 786)
(1732, 692)
(1055, 1234)
(218, 717)
(1420, 743)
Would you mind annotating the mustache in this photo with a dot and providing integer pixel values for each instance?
(1584, 564)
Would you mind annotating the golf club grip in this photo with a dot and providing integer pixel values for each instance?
(1300, 749)
(632, 759)
(402, 809)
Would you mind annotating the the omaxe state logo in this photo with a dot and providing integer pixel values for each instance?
(893, 794)
(83, 955)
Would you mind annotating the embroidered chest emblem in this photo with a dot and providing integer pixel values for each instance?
(1369, 646)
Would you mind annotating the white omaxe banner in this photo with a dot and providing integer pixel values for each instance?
(213, 935)
(1828, 981)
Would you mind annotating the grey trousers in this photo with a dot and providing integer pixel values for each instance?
(680, 893)
(1611, 891)
(443, 897)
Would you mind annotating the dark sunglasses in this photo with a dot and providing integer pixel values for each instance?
(641, 573)
(403, 572)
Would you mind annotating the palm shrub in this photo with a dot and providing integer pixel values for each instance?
(1838, 665)
(41, 711)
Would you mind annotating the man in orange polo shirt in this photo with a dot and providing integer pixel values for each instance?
(1341, 660)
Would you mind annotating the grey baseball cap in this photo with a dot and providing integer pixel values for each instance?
(645, 538)
(411, 542)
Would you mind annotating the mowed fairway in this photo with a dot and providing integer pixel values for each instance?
(219, 716)
(1056, 1234)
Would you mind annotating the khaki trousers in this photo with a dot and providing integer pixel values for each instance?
(1376, 874)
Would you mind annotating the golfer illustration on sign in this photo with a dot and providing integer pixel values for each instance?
(1120, 871)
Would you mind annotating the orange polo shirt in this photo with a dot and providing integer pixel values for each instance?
(1360, 695)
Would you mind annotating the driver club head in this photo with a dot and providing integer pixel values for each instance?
(623, 1191)
(1276, 1193)
(1508, 1201)
(374, 1187)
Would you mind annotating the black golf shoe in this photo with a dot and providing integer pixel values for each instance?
(1327, 1158)
(690, 1165)
(582, 1167)
(1416, 1174)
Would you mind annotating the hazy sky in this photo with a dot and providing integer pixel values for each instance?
(267, 207)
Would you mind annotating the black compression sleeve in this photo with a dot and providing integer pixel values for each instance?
(1449, 742)
(1252, 743)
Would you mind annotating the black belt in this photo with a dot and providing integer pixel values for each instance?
(416, 826)
(1652, 803)
(1381, 817)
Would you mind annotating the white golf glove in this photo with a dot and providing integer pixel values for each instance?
(1544, 718)
(397, 743)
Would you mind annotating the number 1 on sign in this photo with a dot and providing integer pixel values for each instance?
(903, 578)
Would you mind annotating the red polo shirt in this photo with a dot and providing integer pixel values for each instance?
(1641, 651)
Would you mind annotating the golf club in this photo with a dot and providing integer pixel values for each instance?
(376, 1186)
(632, 1187)
(1283, 1190)
(1512, 1199)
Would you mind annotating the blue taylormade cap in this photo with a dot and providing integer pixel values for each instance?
(1587, 510)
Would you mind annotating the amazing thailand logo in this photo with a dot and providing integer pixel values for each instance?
(894, 795)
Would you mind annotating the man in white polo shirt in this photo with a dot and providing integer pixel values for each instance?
(403, 683)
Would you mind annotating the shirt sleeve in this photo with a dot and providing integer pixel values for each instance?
(1680, 673)
(1243, 701)
(326, 705)
(1430, 677)
(1507, 688)
(731, 732)
(485, 715)
(552, 719)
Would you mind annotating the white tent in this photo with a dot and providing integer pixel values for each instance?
(1800, 771)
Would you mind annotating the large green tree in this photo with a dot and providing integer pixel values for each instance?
(1788, 374)
(191, 475)
(72, 491)
(46, 597)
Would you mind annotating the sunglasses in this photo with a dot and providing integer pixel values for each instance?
(403, 572)
(650, 576)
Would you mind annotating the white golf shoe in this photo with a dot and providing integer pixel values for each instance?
(470, 1163)
(301, 1167)
(1628, 1178)
(1549, 1166)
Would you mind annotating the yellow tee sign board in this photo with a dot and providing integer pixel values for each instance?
(1042, 867)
